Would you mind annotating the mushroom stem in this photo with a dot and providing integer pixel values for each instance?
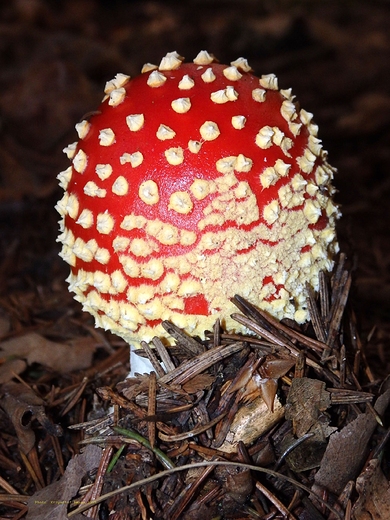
(138, 364)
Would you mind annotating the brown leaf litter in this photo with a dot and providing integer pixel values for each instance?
(286, 421)
(56, 57)
(34, 348)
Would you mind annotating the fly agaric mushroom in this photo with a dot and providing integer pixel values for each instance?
(194, 182)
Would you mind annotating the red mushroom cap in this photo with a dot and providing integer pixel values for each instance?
(194, 182)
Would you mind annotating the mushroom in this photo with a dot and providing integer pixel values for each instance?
(194, 182)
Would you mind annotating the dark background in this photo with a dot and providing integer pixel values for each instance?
(55, 57)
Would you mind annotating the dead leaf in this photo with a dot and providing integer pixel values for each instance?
(10, 368)
(22, 405)
(199, 382)
(346, 450)
(237, 482)
(52, 501)
(308, 455)
(374, 494)
(59, 356)
(306, 400)
(275, 368)
(269, 388)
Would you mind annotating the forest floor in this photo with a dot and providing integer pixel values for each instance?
(55, 57)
